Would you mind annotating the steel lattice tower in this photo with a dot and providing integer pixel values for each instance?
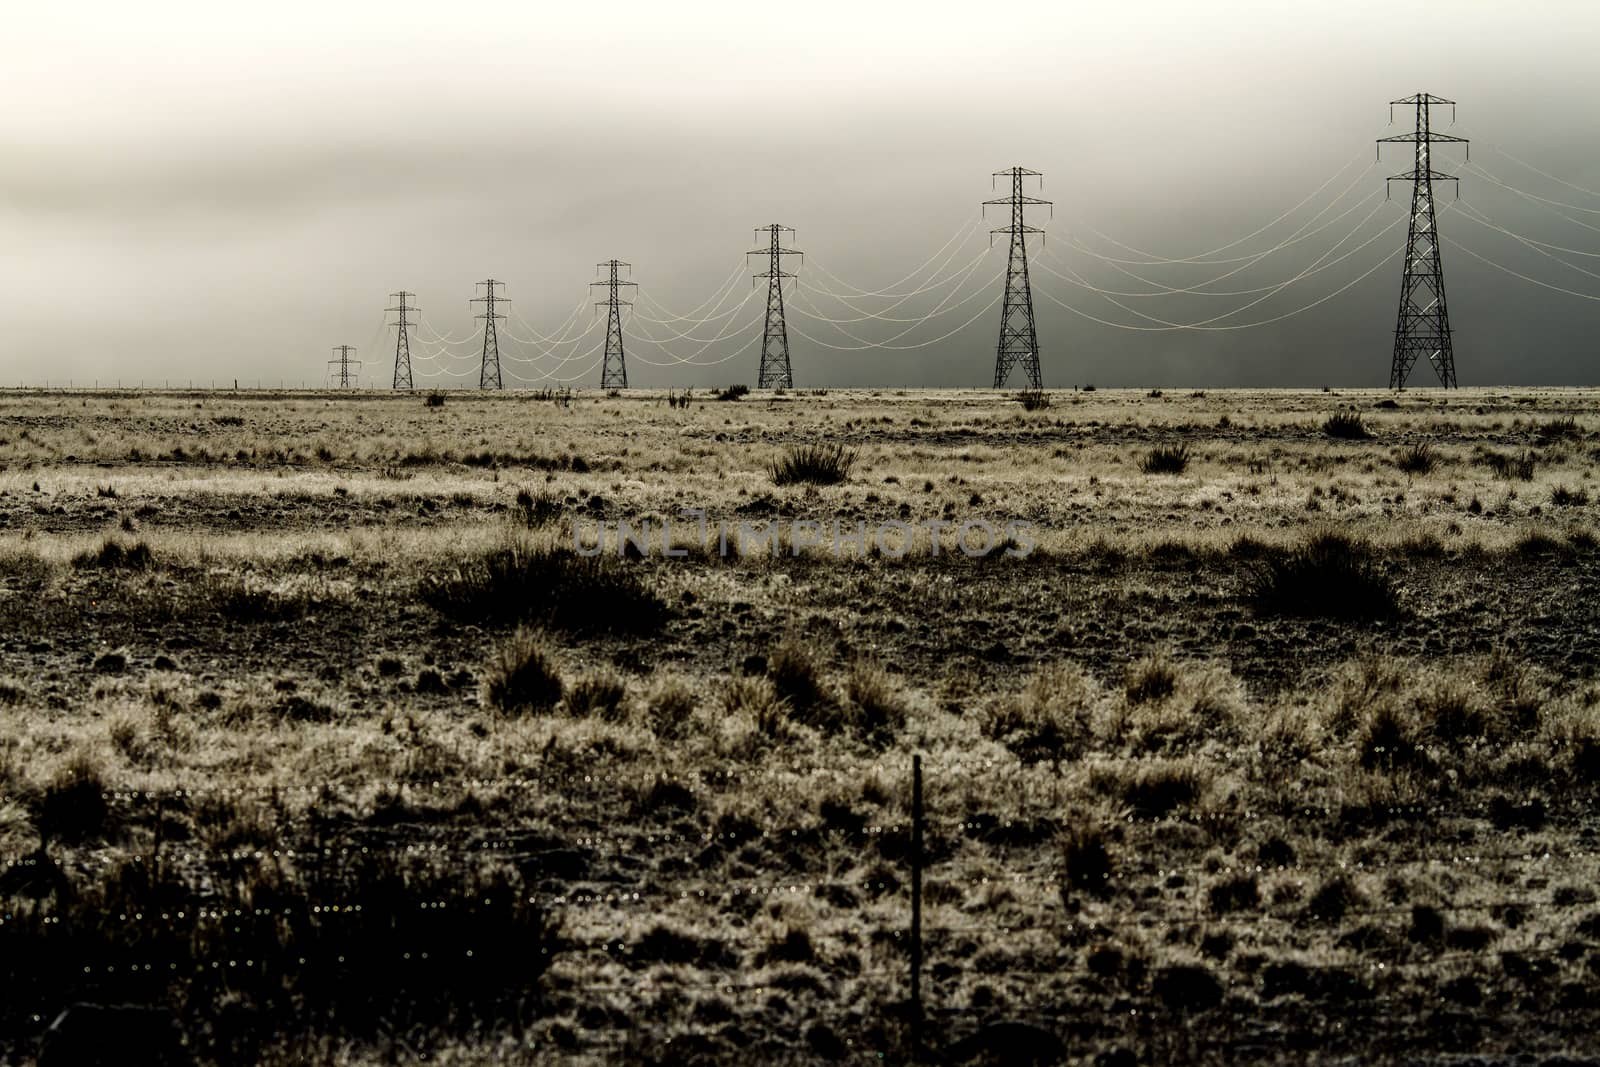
(1423, 328)
(402, 340)
(489, 373)
(343, 361)
(775, 373)
(614, 371)
(1019, 338)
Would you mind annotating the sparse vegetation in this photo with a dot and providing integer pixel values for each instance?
(1331, 576)
(523, 676)
(1193, 770)
(814, 464)
(1416, 459)
(1346, 425)
(552, 587)
(1166, 459)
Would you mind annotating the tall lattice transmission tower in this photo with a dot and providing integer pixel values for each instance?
(489, 373)
(340, 364)
(1423, 328)
(1019, 337)
(402, 339)
(614, 371)
(776, 372)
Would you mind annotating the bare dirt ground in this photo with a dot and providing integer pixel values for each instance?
(1288, 754)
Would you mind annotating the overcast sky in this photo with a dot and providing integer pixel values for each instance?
(200, 191)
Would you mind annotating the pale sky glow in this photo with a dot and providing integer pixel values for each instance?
(208, 191)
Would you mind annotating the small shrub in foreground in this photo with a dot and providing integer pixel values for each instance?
(814, 464)
(1417, 459)
(522, 676)
(1330, 576)
(599, 695)
(114, 555)
(553, 587)
(1049, 721)
(797, 680)
(1085, 859)
(1166, 459)
(1346, 425)
(874, 708)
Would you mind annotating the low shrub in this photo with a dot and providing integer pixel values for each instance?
(1166, 459)
(522, 675)
(552, 587)
(812, 464)
(1346, 425)
(1417, 459)
(1329, 576)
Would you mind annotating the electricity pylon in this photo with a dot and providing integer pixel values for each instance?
(402, 340)
(1019, 339)
(614, 371)
(1423, 328)
(343, 362)
(775, 372)
(489, 373)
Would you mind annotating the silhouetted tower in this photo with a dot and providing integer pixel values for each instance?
(775, 373)
(402, 340)
(614, 371)
(1019, 338)
(1423, 328)
(343, 362)
(489, 374)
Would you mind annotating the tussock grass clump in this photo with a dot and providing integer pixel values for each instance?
(522, 676)
(1391, 739)
(1085, 858)
(1562, 429)
(1238, 892)
(1166, 459)
(1329, 576)
(73, 806)
(1335, 896)
(536, 510)
(235, 599)
(872, 706)
(601, 695)
(1505, 465)
(731, 392)
(434, 399)
(813, 464)
(115, 555)
(1417, 459)
(1152, 788)
(1562, 497)
(1033, 399)
(1346, 426)
(797, 680)
(669, 707)
(1152, 678)
(757, 698)
(1050, 720)
(552, 587)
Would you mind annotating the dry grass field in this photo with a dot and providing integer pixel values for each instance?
(319, 739)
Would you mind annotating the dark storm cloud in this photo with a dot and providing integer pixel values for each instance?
(236, 201)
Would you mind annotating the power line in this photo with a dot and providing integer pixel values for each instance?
(489, 369)
(614, 370)
(1019, 337)
(1423, 326)
(775, 371)
(402, 341)
(343, 362)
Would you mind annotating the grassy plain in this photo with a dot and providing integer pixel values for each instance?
(1283, 742)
